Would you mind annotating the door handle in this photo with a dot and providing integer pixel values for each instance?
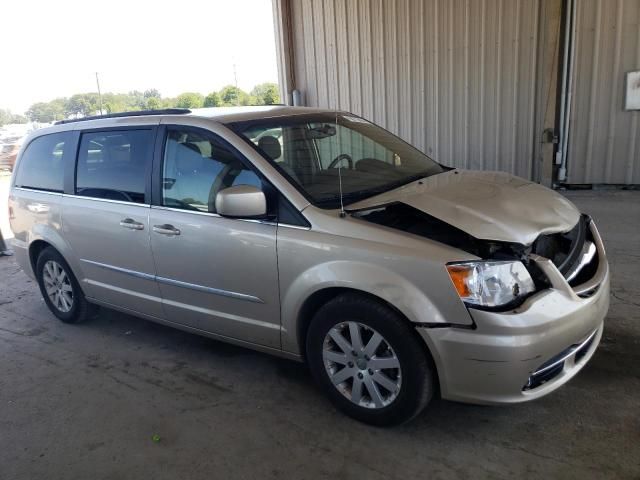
(166, 229)
(131, 224)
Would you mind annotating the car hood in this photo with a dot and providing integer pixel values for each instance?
(487, 205)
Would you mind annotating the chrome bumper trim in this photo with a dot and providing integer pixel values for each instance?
(572, 351)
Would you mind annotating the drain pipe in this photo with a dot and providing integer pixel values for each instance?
(567, 90)
(563, 83)
(296, 97)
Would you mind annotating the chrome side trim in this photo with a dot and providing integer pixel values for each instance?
(566, 356)
(295, 227)
(133, 273)
(176, 283)
(210, 214)
(180, 210)
(219, 314)
(81, 197)
(34, 190)
(215, 291)
(125, 291)
(215, 215)
(105, 200)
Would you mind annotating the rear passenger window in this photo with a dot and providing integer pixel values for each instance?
(196, 168)
(114, 165)
(41, 166)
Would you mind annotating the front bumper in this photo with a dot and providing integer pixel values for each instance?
(530, 351)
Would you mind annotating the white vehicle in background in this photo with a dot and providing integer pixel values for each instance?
(11, 139)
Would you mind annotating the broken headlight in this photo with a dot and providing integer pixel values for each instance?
(491, 284)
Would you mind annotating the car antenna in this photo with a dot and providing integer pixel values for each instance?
(342, 212)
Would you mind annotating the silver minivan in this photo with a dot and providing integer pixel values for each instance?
(321, 237)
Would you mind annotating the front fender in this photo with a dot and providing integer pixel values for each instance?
(372, 279)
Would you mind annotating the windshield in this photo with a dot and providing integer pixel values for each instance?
(317, 152)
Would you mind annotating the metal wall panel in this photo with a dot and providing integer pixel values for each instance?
(604, 142)
(456, 78)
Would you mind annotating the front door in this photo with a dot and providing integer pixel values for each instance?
(215, 274)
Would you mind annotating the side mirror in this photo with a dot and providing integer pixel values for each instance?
(241, 201)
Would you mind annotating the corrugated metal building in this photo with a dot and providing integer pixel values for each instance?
(481, 84)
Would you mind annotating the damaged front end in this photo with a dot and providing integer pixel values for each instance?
(573, 252)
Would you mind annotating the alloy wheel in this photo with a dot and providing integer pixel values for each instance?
(57, 284)
(362, 365)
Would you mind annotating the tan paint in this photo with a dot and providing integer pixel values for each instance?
(245, 281)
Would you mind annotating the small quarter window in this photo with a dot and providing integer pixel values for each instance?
(41, 166)
(196, 168)
(114, 165)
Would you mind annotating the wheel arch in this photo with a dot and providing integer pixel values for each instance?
(320, 283)
(36, 247)
(320, 297)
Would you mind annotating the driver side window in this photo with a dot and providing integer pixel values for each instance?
(196, 167)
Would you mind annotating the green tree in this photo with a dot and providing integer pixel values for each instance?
(17, 118)
(212, 100)
(115, 102)
(169, 102)
(189, 100)
(7, 117)
(136, 100)
(45, 112)
(152, 93)
(266, 93)
(154, 103)
(232, 95)
(84, 104)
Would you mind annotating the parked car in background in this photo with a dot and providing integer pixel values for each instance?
(321, 237)
(8, 155)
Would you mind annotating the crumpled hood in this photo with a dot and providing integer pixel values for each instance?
(487, 205)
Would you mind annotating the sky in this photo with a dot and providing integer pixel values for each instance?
(53, 48)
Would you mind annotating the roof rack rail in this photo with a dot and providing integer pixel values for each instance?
(137, 113)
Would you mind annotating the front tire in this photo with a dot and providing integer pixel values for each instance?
(368, 361)
(59, 287)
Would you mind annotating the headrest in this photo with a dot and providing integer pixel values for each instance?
(193, 146)
(189, 159)
(270, 146)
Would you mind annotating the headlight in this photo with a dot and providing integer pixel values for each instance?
(491, 284)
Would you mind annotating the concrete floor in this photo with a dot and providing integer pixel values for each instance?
(80, 402)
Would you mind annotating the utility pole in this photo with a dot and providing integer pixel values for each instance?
(235, 76)
(99, 93)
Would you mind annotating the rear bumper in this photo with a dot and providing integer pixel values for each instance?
(21, 255)
(528, 352)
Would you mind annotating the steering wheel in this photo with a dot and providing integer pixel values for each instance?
(339, 158)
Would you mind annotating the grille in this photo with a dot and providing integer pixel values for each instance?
(573, 252)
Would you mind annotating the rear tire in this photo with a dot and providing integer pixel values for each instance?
(381, 385)
(59, 287)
